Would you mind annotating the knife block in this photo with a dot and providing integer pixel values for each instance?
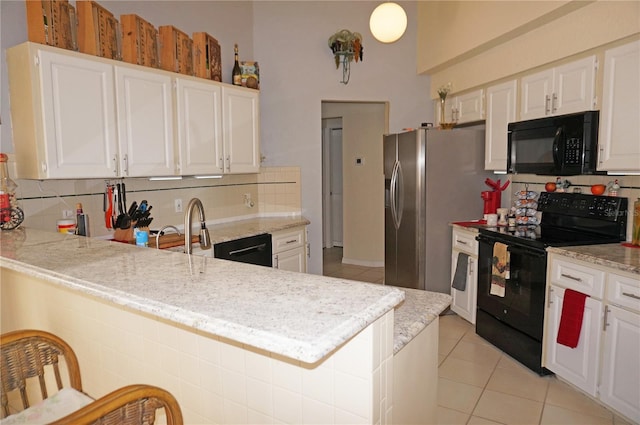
(124, 235)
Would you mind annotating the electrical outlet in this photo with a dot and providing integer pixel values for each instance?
(178, 205)
(247, 200)
(68, 214)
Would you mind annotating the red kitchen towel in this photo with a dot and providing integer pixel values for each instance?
(571, 318)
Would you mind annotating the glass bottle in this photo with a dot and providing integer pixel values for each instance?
(7, 186)
(236, 73)
(11, 216)
(635, 234)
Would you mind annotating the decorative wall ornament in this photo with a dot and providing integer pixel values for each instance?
(346, 47)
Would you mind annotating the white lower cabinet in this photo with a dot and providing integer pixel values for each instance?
(620, 380)
(464, 302)
(606, 362)
(289, 249)
(577, 365)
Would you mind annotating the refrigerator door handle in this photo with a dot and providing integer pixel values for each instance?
(392, 193)
(400, 194)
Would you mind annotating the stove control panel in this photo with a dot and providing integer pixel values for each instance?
(608, 208)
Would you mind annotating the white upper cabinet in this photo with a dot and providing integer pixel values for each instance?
(199, 127)
(619, 137)
(63, 115)
(241, 122)
(145, 123)
(560, 90)
(501, 110)
(468, 107)
(464, 108)
(79, 116)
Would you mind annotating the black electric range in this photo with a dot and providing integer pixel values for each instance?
(514, 321)
(570, 219)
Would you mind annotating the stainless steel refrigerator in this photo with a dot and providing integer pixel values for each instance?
(432, 178)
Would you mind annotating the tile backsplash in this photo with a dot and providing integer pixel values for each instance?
(273, 191)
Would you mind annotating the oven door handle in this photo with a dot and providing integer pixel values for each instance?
(526, 251)
(248, 250)
(513, 247)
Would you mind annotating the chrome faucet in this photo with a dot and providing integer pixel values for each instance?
(205, 240)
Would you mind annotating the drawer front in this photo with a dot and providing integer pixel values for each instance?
(287, 239)
(580, 278)
(465, 241)
(624, 291)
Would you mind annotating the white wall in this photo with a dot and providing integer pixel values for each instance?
(298, 73)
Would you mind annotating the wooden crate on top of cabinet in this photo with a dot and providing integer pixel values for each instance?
(139, 41)
(51, 22)
(98, 32)
(176, 50)
(206, 57)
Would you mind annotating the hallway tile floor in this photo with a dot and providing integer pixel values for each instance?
(480, 385)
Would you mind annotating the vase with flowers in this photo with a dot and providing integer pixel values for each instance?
(443, 91)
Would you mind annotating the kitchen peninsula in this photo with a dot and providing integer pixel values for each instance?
(235, 343)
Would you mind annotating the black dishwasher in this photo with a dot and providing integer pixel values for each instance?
(251, 250)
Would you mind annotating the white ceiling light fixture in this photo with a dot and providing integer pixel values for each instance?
(388, 22)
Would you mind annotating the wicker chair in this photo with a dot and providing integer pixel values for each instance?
(24, 354)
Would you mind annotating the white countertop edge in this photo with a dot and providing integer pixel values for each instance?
(419, 309)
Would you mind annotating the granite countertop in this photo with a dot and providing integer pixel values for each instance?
(224, 232)
(300, 316)
(471, 226)
(615, 255)
(416, 312)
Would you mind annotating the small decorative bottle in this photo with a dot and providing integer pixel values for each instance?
(614, 188)
(11, 215)
(236, 73)
(635, 234)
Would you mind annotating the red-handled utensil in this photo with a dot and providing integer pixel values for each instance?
(108, 214)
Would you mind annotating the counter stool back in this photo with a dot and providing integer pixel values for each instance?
(28, 355)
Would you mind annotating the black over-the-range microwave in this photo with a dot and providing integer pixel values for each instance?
(563, 145)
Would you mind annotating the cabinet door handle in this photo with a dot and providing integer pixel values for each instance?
(461, 242)
(553, 103)
(606, 314)
(547, 100)
(568, 276)
(469, 267)
(634, 296)
(115, 164)
(275, 261)
(125, 161)
(549, 302)
(291, 241)
(600, 154)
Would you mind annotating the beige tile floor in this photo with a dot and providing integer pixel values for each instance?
(480, 385)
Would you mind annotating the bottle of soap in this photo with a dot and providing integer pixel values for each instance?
(635, 234)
